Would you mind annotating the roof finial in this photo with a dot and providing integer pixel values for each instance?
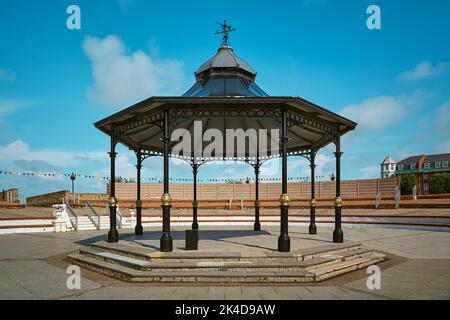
(226, 29)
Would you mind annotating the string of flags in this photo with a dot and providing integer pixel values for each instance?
(154, 179)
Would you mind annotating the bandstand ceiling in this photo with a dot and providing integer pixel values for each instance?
(309, 125)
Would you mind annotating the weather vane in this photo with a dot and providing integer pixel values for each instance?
(226, 29)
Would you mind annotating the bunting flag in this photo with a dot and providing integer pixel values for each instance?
(154, 179)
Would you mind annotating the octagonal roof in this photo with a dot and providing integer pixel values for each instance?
(226, 58)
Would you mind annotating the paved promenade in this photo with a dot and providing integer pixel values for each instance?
(31, 267)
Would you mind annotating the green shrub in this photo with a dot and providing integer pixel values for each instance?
(447, 187)
(407, 183)
(439, 183)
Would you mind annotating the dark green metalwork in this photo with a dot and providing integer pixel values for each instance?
(194, 202)
(338, 234)
(284, 242)
(166, 241)
(138, 230)
(312, 206)
(113, 234)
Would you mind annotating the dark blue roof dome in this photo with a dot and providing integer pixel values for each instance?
(225, 74)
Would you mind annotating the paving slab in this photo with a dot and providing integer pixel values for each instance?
(424, 273)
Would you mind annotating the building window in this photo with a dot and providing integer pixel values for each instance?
(437, 164)
(400, 167)
(413, 165)
(427, 165)
(445, 164)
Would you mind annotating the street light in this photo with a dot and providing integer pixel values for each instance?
(73, 176)
(332, 177)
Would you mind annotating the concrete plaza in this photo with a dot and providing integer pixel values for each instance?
(418, 267)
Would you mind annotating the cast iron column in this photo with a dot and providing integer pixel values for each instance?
(312, 207)
(166, 242)
(138, 230)
(338, 235)
(195, 203)
(284, 242)
(113, 234)
(257, 225)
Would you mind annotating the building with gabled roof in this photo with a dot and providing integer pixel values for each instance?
(423, 166)
(388, 168)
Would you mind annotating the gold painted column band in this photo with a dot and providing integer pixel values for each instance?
(284, 200)
(338, 202)
(166, 199)
(113, 202)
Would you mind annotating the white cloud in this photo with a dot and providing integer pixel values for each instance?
(443, 118)
(424, 70)
(121, 78)
(19, 150)
(9, 106)
(7, 74)
(299, 166)
(376, 113)
(442, 127)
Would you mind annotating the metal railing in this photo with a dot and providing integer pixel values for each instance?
(73, 216)
(96, 220)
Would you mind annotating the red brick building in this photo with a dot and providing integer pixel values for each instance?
(423, 166)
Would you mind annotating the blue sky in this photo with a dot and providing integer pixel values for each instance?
(55, 83)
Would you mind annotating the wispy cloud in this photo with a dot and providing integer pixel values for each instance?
(7, 74)
(376, 113)
(19, 151)
(425, 70)
(9, 106)
(121, 78)
(442, 127)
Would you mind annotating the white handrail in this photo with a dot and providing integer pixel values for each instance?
(72, 213)
(88, 204)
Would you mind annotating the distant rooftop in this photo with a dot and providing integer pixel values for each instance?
(388, 160)
(428, 158)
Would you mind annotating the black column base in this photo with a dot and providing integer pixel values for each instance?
(113, 235)
(312, 219)
(284, 244)
(194, 215)
(138, 230)
(338, 236)
(257, 226)
(166, 243)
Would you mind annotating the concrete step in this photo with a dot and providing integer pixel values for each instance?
(326, 272)
(139, 264)
(212, 275)
(136, 263)
(147, 254)
(130, 274)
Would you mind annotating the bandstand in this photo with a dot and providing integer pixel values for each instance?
(225, 97)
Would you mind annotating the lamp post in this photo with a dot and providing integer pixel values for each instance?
(73, 176)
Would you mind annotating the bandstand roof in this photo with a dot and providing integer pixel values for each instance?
(225, 96)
